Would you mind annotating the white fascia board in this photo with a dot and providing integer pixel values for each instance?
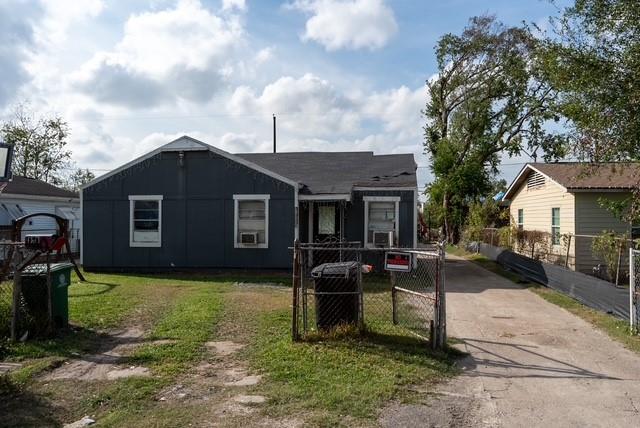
(186, 143)
(515, 183)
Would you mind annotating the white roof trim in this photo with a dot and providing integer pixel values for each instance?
(520, 174)
(186, 143)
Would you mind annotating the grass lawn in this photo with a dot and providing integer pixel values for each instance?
(323, 382)
(614, 327)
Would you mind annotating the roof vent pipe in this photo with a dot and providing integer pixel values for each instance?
(274, 133)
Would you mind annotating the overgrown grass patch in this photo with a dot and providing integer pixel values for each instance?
(189, 323)
(351, 376)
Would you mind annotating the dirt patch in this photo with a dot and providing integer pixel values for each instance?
(8, 367)
(250, 399)
(224, 348)
(108, 363)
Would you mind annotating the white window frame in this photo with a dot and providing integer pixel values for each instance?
(132, 199)
(368, 199)
(556, 227)
(520, 224)
(265, 199)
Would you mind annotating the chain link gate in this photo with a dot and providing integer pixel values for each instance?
(342, 287)
(634, 290)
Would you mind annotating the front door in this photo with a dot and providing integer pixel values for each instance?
(326, 221)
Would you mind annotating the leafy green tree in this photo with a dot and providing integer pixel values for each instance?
(487, 99)
(39, 145)
(77, 178)
(592, 60)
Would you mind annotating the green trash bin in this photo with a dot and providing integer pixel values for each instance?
(34, 290)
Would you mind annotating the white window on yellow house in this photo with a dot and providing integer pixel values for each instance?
(521, 219)
(555, 226)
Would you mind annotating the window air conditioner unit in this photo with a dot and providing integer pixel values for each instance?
(249, 238)
(383, 239)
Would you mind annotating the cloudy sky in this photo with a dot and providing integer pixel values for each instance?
(129, 76)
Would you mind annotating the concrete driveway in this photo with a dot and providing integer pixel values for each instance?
(532, 363)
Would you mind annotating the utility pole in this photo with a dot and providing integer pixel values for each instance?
(274, 133)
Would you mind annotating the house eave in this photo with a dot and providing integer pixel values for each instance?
(39, 197)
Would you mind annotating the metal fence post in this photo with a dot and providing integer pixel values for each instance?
(360, 294)
(443, 300)
(296, 279)
(394, 297)
(17, 291)
(633, 321)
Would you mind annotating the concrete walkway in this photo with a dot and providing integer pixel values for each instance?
(532, 363)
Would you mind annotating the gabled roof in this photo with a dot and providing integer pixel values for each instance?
(340, 172)
(314, 172)
(581, 176)
(186, 143)
(23, 186)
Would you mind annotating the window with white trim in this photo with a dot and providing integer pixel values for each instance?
(145, 220)
(251, 221)
(555, 226)
(521, 219)
(381, 216)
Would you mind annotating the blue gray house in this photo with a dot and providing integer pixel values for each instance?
(191, 205)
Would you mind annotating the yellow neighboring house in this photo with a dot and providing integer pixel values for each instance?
(562, 199)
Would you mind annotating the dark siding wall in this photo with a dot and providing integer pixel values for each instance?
(354, 221)
(197, 215)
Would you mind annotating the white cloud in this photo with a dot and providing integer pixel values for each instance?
(230, 141)
(59, 15)
(305, 105)
(399, 109)
(234, 4)
(350, 24)
(264, 55)
(178, 53)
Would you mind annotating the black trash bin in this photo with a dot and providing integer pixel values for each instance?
(336, 293)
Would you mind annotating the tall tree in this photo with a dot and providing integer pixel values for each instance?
(78, 178)
(39, 145)
(487, 99)
(592, 59)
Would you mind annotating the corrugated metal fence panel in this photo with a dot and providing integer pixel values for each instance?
(588, 290)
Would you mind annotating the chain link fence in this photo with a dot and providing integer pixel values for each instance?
(634, 291)
(604, 256)
(341, 288)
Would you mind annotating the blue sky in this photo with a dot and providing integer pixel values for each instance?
(130, 76)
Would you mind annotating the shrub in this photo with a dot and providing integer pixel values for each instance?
(607, 246)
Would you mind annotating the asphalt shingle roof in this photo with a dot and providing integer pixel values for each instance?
(30, 186)
(339, 172)
(576, 175)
